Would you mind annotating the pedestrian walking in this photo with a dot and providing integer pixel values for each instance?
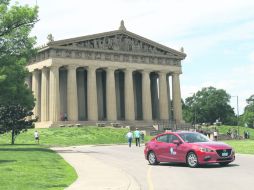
(129, 136)
(37, 136)
(137, 137)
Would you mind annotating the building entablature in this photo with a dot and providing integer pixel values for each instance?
(118, 45)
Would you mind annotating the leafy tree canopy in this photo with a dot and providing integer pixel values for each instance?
(208, 105)
(16, 47)
(248, 116)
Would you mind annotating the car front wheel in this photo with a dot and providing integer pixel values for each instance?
(152, 158)
(192, 160)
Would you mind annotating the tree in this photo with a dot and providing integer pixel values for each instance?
(16, 47)
(248, 116)
(13, 118)
(208, 105)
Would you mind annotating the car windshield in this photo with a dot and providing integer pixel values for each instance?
(193, 137)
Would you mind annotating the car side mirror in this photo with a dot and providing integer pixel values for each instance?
(177, 142)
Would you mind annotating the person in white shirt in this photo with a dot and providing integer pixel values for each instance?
(129, 136)
(137, 137)
(36, 136)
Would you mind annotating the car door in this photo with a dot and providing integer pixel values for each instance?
(176, 151)
(161, 148)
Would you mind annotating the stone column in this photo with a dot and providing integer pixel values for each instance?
(177, 106)
(28, 82)
(111, 95)
(72, 95)
(92, 106)
(54, 98)
(163, 99)
(129, 95)
(44, 94)
(35, 89)
(146, 96)
(169, 97)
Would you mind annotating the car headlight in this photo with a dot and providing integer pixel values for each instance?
(202, 149)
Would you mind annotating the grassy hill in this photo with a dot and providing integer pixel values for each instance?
(67, 136)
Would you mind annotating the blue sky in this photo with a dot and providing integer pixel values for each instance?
(217, 35)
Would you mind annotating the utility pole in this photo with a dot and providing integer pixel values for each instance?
(237, 116)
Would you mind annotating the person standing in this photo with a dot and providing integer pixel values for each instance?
(215, 135)
(129, 136)
(137, 137)
(36, 136)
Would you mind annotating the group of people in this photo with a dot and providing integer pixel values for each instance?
(137, 135)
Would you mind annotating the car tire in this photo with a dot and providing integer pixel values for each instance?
(192, 160)
(224, 163)
(152, 158)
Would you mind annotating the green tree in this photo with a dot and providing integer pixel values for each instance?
(208, 105)
(248, 115)
(16, 47)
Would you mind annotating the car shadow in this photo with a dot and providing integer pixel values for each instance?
(200, 166)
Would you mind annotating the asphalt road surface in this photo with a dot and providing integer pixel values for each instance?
(239, 175)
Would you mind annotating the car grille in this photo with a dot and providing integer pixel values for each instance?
(224, 159)
(221, 153)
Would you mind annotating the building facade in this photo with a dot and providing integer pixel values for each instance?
(115, 76)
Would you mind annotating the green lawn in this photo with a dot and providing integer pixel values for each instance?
(30, 166)
(67, 136)
(33, 167)
(242, 146)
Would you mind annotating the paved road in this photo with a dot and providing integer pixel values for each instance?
(237, 176)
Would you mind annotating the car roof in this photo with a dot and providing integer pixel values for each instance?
(179, 131)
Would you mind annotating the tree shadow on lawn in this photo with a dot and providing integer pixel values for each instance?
(7, 161)
(200, 166)
(18, 147)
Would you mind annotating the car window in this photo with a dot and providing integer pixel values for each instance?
(162, 138)
(193, 137)
(172, 137)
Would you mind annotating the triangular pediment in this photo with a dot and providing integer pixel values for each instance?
(119, 41)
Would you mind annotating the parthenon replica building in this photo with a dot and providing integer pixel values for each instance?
(111, 77)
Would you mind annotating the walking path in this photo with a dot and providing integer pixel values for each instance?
(94, 174)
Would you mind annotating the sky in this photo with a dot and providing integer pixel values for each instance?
(217, 35)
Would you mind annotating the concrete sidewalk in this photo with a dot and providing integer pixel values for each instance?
(94, 174)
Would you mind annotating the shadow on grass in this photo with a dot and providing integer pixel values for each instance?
(27, 149)
(7, 161)
(19, 145)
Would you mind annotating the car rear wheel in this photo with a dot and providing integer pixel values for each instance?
(192, 160)
(224, 163)
(152, 158)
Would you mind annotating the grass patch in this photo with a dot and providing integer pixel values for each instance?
(68, 136)
(32, 167)
(242, 146)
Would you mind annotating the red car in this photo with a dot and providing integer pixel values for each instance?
(187, 147)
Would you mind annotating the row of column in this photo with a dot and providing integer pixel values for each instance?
(49, 108)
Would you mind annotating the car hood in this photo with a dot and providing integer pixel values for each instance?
(213, 145)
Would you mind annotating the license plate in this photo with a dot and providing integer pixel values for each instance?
(224, 154)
